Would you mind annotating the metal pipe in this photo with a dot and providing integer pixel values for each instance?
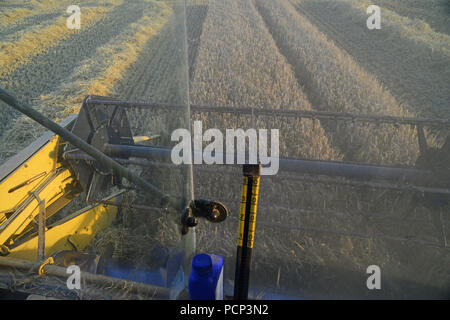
(304, 166)
(138, 162)
(356, 171)
(81, 144)
(41, 228)
(154, 291)
(260, 111)
(308, 167)
(126, 151)
(131, 205)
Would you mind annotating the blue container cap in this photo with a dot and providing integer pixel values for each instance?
(202, 263)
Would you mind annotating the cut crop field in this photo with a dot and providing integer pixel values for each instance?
(436, 13)
(407, 56)
(312, 239)
(53, 68)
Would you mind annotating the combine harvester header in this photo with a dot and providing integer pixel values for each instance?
(91, 151)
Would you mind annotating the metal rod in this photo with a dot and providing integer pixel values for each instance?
(356, 171)
(139, 162)
(304, 166)
(78, 142)
(359, 183)
(154, 291)
(41, 228)
(404, 179)
(260, 111)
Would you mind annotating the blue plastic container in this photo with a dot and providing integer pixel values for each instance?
(206, 278)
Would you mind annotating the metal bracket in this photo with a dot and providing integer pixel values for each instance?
(41, 226)
(212, 211)
(46, 262)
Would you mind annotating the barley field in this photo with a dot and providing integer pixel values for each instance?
(313, 239)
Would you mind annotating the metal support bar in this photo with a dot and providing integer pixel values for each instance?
(41, 227)
(82, 145)
(260, 111)
(126, 151)
(356, 171)
(302, 166)
(90, 278)
(138, 162)
(401, 184)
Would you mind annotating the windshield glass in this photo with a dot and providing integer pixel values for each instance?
(52, 55)
(349, 100)
(319, 234)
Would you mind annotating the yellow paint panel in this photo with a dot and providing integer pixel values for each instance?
(45, 160)
(55, 189)
(80, 230)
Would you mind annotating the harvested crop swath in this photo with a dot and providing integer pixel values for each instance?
(107, 65)
(406, 55)
(333, 81)
(433, 12)
(196, 12)
(17, 16)
(47, 72)
(38, 41)
(417, 27)
(14, 16)
(148, 27)
(238, 64)
(159, 74)
(414, 29)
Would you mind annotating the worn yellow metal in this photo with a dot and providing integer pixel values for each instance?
(34, 171)
(49, 191)
(46, 262)
(36, 174)
(40, 175)
(75, 232)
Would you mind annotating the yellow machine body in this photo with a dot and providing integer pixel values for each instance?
(75, 232)
(37, 176)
